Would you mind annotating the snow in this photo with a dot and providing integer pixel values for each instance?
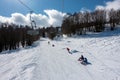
(45, 62)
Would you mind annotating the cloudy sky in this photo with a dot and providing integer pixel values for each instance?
(48, 12)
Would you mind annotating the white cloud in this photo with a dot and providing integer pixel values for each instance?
(52, 17)
(55, 17)
(84, 10)
(41, 20)
(4, 19)
(18, 18)
(115, 4)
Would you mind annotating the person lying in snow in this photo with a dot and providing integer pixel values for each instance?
(68, 49)
(53, 45)
(48, 42)
(81, 58)
(84, 61)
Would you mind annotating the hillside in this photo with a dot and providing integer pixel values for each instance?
(44, 62)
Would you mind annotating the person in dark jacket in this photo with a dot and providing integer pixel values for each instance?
(53, 45)
(48, 42)
(85, 60)
(81, 58)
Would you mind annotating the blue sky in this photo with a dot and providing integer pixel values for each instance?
(70, 6)
(48, 12)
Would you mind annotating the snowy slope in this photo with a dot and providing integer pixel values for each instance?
(44, 62)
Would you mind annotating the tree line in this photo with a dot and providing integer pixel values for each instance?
(13, 36)
(50, 32)
(80, 23)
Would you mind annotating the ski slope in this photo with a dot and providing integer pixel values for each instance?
(45, 62)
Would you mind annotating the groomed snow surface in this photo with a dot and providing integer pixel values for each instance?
(45, 62)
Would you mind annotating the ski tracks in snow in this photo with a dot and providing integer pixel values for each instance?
(54, 63)
(100, 62)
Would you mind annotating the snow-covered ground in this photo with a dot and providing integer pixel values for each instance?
(44, 62)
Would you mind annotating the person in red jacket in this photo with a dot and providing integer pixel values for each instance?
(68, 49)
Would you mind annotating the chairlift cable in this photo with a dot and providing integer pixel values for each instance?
(31, 11)
(25, 5)
(62, 6)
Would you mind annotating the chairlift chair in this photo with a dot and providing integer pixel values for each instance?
(32, 22)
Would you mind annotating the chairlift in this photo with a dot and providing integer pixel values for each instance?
(62, 6)
(32, 22)
(32, 32)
